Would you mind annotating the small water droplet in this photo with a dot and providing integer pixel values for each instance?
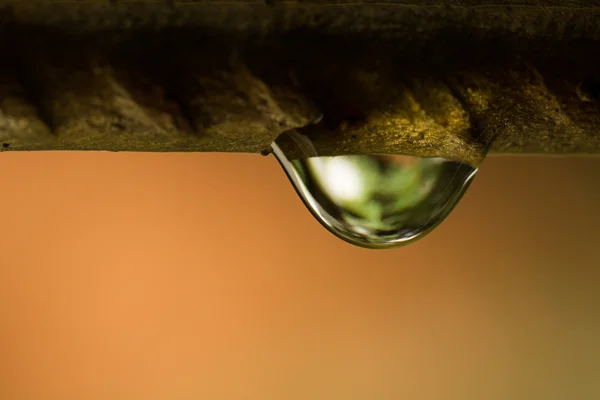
(374, 201)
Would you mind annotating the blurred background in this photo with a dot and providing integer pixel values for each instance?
(193, 276)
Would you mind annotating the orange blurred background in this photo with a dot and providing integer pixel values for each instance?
(202, 276)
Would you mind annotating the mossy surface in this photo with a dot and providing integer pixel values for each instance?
(419, 77)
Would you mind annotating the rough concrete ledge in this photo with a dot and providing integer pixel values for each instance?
(432, 78)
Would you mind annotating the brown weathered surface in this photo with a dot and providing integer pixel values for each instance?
(427, 77)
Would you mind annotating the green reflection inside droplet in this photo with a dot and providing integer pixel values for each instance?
(378, 200)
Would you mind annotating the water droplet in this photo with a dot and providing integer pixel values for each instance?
(373, 201)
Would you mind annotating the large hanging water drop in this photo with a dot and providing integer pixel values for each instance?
(373, 201)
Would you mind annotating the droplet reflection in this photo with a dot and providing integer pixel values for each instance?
(375, 201)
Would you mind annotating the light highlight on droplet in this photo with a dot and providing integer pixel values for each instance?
(341, 177)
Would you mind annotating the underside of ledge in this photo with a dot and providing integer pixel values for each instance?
(420, 77)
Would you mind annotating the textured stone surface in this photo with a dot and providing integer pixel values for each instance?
(425, 77)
